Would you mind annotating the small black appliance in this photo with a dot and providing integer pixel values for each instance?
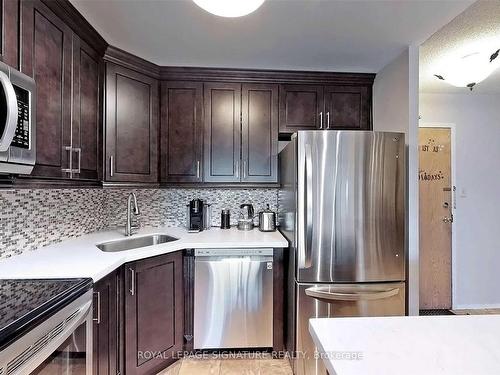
(195, 215)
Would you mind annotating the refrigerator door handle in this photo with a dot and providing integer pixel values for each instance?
(328, 294)
(305, 235)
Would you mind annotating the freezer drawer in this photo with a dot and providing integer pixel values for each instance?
(340, 300)
(233, 299)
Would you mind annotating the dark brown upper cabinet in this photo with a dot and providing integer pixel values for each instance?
(86, 129)
(47, 57)
(259, 137)
(222, 136)
(347, 107)
(154, 312)
(300, 108)
(310, 107)
(9, 30)
(181, 132)
(131, 109)
(106, 327)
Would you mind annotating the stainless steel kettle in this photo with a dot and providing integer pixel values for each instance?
(267, 220)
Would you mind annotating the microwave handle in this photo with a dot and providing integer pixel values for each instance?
(11, 116)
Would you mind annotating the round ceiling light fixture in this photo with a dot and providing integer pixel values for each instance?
(469, 70)
(229, 8)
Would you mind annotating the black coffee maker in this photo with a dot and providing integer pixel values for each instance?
(195, 215)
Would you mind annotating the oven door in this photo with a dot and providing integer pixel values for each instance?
(60, 345)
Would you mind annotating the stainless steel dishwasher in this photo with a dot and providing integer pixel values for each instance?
(233, 298)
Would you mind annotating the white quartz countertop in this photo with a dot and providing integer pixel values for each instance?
(437, 345)
(79, 257)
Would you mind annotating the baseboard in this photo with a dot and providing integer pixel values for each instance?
(476, 306)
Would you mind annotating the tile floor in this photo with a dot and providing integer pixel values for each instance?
(194, 366)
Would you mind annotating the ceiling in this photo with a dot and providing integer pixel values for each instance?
(477, 27)
(329, 35)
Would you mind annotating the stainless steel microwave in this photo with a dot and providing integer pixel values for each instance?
(17, 121)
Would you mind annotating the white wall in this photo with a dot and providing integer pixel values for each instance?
(395, 108)
(477, 217)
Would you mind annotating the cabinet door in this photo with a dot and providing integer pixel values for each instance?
(9, 29)
(46, 56)
(154, 313)
(86, 115)
(222, 103)
(106, 356)
(131, 126)
(259, 138)
(181, 132)
(300, 108)
(347, 107)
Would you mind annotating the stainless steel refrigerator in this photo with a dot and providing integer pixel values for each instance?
(342, 208)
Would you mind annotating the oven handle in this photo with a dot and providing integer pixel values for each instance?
(327, 294)
(11, 115)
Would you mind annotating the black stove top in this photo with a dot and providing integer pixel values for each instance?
(26, 303)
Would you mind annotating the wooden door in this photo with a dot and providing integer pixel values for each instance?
(154, 313)
(86, 125)
(435, 218)
(259, 137)
(347, 107)
(181, 132)
(46, 56)
(300, 108)
(9, 32)
(131, 126)
(106, 358)
(222, 135)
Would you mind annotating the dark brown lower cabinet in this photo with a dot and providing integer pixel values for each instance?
(106, 337)
(154, 313)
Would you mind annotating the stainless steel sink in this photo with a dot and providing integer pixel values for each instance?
(135, 242)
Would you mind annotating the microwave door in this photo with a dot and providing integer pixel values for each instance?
(8, 112)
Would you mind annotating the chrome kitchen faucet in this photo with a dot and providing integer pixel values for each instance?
(129, 227)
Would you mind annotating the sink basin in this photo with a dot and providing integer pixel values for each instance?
(135, 242)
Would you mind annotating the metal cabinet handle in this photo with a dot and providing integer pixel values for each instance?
(111, 166)
(197, 169)
(70, 169)
(98, 318)
(244, 169)
(331, 294)
(79, 152)
(321, 120)
(9, 131)
(132, 281)
(237, 167)
(328, 120)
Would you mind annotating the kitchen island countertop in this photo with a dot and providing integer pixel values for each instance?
(437, 345)
(79, 257)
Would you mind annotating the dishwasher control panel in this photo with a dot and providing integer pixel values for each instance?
(233, 252)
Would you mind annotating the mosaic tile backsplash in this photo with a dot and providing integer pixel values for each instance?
(32, 218)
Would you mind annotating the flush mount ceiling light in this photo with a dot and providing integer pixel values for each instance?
(469, 70)
(229, 8)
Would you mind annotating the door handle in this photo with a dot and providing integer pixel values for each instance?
(327, 294)
(304, 258)
(198, 169)
(111, 166)
(132, 282)
(321, 120)
(244, 169)
(9, 130)
(328, 120)
(237, 168)
(79, 152)
(98, 318)
(69, 170)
